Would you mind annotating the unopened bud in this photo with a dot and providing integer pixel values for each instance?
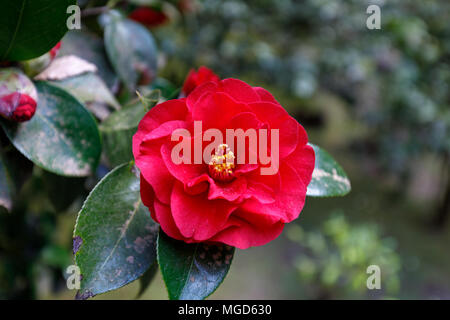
(18, 96)
(19, 107)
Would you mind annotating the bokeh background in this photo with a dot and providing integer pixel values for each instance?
(377, 100)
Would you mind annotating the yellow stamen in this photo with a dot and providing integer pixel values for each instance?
(222, 164)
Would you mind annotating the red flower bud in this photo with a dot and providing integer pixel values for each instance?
(18, 95)
(17, 107)
(194, 79)
(55, 50)
(149, 17)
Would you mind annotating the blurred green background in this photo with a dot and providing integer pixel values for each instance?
(378, 100)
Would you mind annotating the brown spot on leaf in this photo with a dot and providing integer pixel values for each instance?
(83, 296)
(77, 242)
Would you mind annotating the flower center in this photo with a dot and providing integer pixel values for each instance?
(222, 164)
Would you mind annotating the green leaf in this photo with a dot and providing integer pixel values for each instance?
(114, 237)
(131, 50)
(91, 48)
(88, 88)
(151, 99)
(328, 179)
(6, 186)
(168, 90)
(62, 137)
(118, 130)
(192, 271)
(30, 28)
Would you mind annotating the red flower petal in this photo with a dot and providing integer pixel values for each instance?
(278, 118)
(229, 191)
(155, 172)
(163, 215)
(303, 158)
(197, 78)
(239, 90)
(248, 230)
(182, 172)
(289, 201)
(216, 110)
(197, 217)
(265, 95)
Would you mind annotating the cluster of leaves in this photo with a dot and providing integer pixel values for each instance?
(334, 259)
(86, 116)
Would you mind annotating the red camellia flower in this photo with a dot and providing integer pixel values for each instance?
(148, 17)
(196, 78)
(223, 200)
(17, 107)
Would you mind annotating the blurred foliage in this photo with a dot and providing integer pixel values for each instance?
(395, 80)
(333, 259)
(383, 94)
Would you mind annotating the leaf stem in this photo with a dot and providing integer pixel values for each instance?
(94, 11)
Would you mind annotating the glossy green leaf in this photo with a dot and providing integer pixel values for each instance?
(131, 50)
(88, 88)
(328, 179)
(30, 28)
(192, 271)
(62, 137)
(118, 130)
(114, 237)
